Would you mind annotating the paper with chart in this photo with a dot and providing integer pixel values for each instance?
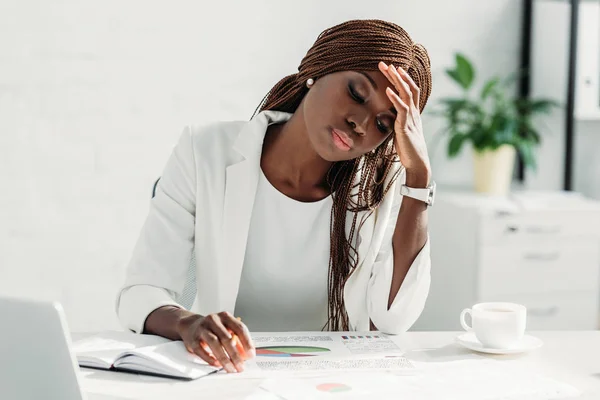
(482, 379)
(327, 351)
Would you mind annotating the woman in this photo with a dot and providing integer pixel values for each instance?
(310, 216)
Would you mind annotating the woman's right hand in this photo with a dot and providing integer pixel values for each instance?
(219, 339)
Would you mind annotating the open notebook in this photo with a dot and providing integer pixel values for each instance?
(147, 354)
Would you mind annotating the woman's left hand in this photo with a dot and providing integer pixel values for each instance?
(410, 141)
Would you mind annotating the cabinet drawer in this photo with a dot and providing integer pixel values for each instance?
(528, 227)
(562, 311)
(539, 268)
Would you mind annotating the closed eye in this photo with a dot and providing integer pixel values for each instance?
(383, 128)
(354, 94)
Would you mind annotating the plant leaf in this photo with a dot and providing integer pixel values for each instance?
(463, 72)
(542, 105)
(455, 144)
(453, 73)
(528, 132)
(454, 103)
(489, 87)
(535, 106)
(508, 134)
(525, 148)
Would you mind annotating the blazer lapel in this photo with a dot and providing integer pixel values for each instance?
(241, 180)
(365, 245)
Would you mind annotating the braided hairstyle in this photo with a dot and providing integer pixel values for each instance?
(356, 185)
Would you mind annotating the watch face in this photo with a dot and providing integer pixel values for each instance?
(431, 198)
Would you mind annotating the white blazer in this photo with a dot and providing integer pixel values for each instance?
(204, 202)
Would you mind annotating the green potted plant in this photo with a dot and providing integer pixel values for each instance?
(496, 124)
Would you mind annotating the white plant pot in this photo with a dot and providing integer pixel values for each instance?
(494, 170)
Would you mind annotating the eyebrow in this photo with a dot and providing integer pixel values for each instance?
(374, 84)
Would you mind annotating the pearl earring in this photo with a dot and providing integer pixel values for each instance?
(310, 82)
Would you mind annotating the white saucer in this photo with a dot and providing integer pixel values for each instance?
(528, 343)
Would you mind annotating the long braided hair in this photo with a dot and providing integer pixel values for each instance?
(356, 45)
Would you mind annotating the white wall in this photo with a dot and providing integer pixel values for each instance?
(93, 96)
(550, 41)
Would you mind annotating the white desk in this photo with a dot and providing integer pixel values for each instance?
(570, 357)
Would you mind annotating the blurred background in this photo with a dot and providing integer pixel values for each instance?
(93, 95)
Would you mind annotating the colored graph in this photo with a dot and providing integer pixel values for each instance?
(333, 387)
(289, 351)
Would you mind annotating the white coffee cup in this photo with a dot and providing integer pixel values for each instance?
(496, 325)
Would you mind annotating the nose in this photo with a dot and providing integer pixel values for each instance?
(358, 123)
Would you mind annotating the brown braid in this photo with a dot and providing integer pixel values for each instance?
(356, 45)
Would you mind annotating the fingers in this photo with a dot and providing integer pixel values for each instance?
(220, 340)
(401, 86)
(416, 92)
(228, 342)
(392, 75)
(398, 77)
(222, 344)
(241, 332)
(400, 105)
(217, 350)
(198, 348)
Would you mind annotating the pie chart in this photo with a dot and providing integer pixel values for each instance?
(333, 387)
(290, 351)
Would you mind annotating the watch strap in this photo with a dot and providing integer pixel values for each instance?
(426, 195)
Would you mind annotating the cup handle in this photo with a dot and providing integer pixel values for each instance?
(462, 319)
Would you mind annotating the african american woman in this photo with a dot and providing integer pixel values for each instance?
(310, 216)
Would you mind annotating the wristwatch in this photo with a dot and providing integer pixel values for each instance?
(426, 195)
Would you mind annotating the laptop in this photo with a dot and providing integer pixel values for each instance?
(36, 361)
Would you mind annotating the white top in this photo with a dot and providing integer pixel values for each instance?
(203, 207)
(284, 278)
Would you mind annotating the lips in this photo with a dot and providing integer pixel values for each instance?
(341, 139)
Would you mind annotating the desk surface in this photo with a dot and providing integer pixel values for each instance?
(570, 357)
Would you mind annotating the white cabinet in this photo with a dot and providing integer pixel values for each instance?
(540, 249)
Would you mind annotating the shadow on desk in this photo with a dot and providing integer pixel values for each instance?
(454, 352)
(124, 376)
(121, 385)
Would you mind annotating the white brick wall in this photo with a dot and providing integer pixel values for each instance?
(94, 94)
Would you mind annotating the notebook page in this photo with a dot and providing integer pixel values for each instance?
(170, 359)
(101, 350)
